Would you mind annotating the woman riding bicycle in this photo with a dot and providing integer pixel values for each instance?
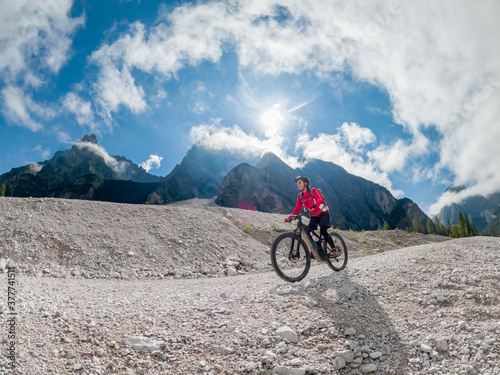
(312, 200)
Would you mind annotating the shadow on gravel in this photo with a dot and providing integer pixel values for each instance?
(351, 305)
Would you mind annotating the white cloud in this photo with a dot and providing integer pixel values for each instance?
(216, 136)
(154, 161)
(219, 137)
(474, 144)
(392, 158)
(471, 151)
(200, 108)
(117, 88)
(356, 136)
(439, 62)
(16, 108)
(62, 136)
(330, 147)
(200, 88)
(191, 34)
(34, 168)
(35, 35)
(44, 152)
(81, 109)
(35, 43)
(187, 37)
(119, 167)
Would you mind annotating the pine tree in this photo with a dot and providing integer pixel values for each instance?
(468, 226)
(474, 230)
(417, 226)
(440, 228)
(386, 225)
(456, 231)
(462, 225)
(431, 229)
(3, 187)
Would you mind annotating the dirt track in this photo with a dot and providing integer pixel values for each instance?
(431, 308)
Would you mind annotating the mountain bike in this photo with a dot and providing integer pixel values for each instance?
(291, 251)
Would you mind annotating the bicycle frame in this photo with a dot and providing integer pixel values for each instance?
(310, 241)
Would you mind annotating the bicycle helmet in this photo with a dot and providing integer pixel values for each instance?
(303, 178)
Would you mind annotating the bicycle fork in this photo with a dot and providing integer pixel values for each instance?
(294, 252)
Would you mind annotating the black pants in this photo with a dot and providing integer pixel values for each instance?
(324, 223)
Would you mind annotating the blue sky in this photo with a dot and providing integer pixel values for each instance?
(402, 93)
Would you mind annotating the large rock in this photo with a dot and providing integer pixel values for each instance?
(347, 355)
(255, 188)
(369, 368)
(288, 334)
(141, 343)
(339, 363)
(222, 350)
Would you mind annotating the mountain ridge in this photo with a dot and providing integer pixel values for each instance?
(86, 171)
(199, 175)
(80, 172)
(481, 210)
(355, 203)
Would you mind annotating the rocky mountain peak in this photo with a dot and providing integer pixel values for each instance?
(355, 203)
(90, 138)
(270, 160)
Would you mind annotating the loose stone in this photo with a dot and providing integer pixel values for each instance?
(366, 369)
(287, 333)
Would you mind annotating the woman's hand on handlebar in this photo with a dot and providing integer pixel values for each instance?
(291, 218)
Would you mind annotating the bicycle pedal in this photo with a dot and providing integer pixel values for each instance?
(334, 253)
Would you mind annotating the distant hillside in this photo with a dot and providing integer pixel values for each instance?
(85, 171)
(479, 209)
(199, 175)
(355, 203)
(493, 227)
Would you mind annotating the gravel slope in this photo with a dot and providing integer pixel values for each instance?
(62, 238)
(426, 309)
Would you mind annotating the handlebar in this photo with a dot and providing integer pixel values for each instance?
(294, 217)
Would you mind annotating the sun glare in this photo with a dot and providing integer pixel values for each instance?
(273, 119)
(278, 118)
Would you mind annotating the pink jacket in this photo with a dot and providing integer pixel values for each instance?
(311, 201)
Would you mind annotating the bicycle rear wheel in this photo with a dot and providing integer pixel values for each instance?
(290, 257)
(336, 262)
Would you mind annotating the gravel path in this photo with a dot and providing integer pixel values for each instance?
(73, 238)
(428, 309)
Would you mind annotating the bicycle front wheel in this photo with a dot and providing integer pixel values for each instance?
(336, 262)
(290, 257)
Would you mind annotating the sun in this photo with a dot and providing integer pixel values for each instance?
(274, 119)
